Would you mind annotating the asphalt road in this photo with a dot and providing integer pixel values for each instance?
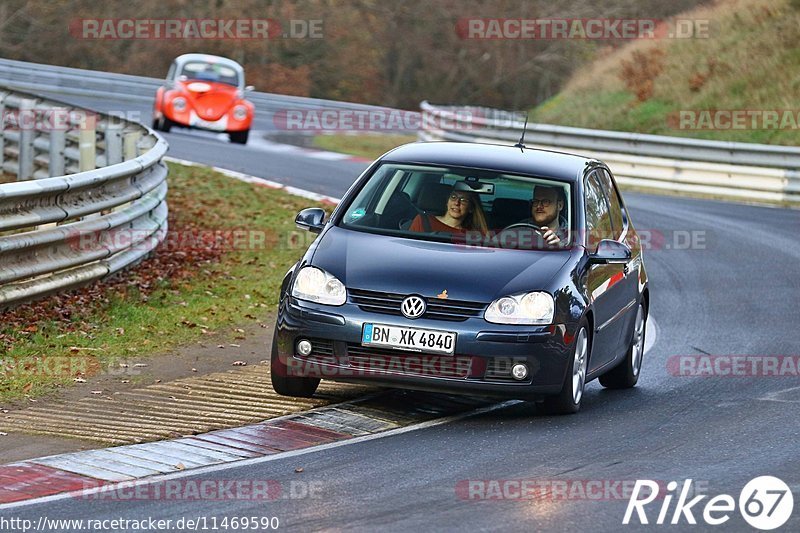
(731, 293)
(258, 158)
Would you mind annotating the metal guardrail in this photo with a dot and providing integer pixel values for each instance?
(123, 87)
(89, 196)
(743, 171)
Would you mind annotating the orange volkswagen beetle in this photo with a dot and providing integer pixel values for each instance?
(204, 92)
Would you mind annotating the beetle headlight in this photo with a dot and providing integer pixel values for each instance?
(179, 103)
(316, 285)
(531, 309)
(240, 112)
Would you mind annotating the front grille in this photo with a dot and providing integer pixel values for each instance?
(366, 359)
(438, 309)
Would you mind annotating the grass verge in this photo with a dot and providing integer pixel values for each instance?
(366, 145)
(228, 248)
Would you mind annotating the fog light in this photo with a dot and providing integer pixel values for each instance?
(519, 371)
(304, 348)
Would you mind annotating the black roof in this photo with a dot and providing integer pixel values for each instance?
(501, 158)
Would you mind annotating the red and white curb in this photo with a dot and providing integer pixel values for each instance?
(86, 472)
(262, 182)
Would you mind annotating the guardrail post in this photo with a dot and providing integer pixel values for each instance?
(130, 144)
(87, 142)
(114, 141)
(27, 132)
(58, 141)
(2, 129)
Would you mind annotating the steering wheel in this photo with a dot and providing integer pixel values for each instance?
(517, 225)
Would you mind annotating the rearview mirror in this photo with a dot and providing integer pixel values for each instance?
(473, 185)
(310, 219)
(610, 252)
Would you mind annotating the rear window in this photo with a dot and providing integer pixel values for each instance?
(462, 206)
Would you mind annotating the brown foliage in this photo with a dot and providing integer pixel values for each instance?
(699, 79)
(640, 72)
(391, 53)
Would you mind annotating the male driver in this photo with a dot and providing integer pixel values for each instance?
(546, 208)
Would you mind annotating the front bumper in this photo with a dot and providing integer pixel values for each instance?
(483, 356)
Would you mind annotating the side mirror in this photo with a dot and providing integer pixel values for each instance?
(249, 88)
(310, 219)
(610, 252)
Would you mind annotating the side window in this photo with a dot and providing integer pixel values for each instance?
(171, 73)
(613, 200)
(598, 220)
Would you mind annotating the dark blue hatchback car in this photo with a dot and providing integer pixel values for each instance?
(468, 268)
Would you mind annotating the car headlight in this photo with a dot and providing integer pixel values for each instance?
(179, 103)
(316, 285)
(240, 112)
(532, 308)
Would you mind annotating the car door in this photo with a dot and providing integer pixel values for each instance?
(629, 284)
(606, 293)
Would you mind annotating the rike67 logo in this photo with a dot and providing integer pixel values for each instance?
(765, 503)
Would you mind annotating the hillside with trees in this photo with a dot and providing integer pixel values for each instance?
(371, 51)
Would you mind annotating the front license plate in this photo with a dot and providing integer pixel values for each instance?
(413, 339)
(197, 122)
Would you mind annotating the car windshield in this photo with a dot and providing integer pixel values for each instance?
(463, 206)
(200, 70)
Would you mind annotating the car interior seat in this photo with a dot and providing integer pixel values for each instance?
(398, 209)
(431, 200)
(507, 211)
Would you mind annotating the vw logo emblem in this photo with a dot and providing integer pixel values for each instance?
(413, 307)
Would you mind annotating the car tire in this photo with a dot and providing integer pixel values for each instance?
(626, 374)
(285, 385)
(162, 124)
(239, 137)
(568, 401)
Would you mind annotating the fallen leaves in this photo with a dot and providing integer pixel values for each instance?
(172, 262)
(239, 363)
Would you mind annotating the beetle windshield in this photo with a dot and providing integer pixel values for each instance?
(203, 71)
(464, 206)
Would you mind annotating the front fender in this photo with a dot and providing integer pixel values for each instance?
(287, 280)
